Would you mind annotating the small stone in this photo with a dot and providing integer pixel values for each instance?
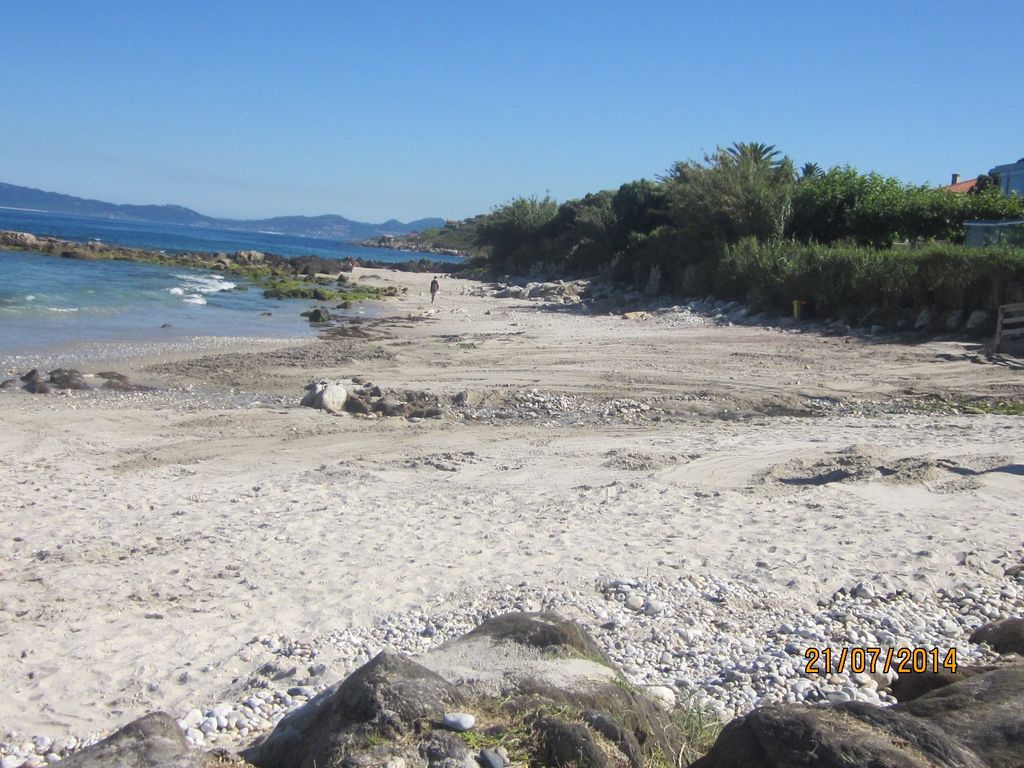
(653, 608)
(491, 759)
(458, 721)
(192, 719)
(862, 591)
(634, 602)
(663, 695)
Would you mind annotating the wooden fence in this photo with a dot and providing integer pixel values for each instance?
(1011, 324)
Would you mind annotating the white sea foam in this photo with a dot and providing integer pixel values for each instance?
(63, 309)
(194, 298)
(176, 291)
(206, 283)
(30, 297)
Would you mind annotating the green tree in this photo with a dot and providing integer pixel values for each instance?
(518, 232)
(583, 231)
(842, 204)
(639, 207)
(743, 191)
(810, 171)
(755, 152)
(985, 181)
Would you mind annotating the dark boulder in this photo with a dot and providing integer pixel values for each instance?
(387, 698)
(391, 408)
(1004, 636)
(318, 315)
(910, 686)
(545, 631)
(67, 378)
(985, 713)
(621, 737)
(852, 734)
(33, 375)
(566, 743)
(913, 685)
(38, 387)
(445, 750)
(9, 384)
(970, 723)
(357, 404)
(153, 741)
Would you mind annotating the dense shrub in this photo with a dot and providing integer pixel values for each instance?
(741, 223)
(848, 280)
(871, 209)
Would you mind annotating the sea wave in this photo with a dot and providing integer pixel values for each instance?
(194, 298)
(205, 283)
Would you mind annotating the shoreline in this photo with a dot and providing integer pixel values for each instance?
(165, 547)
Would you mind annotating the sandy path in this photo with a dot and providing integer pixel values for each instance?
(146, 540)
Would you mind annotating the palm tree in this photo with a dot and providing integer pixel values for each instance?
(810, 171)
(754, 152)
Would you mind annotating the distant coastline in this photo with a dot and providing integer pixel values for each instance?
(410, 244)
(256, 265)
(333, 226)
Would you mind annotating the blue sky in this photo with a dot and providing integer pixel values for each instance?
(385, 109)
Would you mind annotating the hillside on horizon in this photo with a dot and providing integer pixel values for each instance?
(330, 226)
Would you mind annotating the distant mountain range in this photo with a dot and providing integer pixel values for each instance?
(328, 226)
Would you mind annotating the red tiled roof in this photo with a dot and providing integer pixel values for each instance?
(961, 186)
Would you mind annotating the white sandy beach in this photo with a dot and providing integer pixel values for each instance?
(147, 538)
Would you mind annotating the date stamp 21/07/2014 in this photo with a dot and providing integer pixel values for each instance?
(821, 661)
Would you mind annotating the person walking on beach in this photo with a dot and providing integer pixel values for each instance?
(434, 288)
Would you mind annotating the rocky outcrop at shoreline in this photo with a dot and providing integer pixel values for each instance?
(36, 383)
(255, 264)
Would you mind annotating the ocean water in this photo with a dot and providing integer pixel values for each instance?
(179, 237)
(48, 303)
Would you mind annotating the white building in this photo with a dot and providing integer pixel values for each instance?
(1011, 177)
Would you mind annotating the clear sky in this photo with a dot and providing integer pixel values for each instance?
(382, 109)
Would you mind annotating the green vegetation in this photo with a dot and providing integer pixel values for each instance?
(317, 290)
(514, 726)
(458, 236)
(698, 729)
(375, 740)
(743, 223)
(849, 281)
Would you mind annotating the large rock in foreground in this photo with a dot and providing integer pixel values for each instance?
(973, 723)
(153, 741)
(1004, 636)
(534, 684)
(387, 698)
